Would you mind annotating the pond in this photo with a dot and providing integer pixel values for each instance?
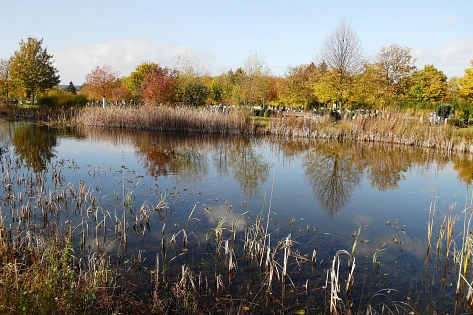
(250, 217)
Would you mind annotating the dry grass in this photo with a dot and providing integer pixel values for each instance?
(396, 128)
(167, 119)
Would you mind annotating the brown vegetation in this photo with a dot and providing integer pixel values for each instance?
(393, 127)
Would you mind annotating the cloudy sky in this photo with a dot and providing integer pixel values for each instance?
(221, 34)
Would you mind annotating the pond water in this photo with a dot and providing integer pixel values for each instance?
(327, 196)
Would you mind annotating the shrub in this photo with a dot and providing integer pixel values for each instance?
(459, 122)
(444, 110)
(62, 100)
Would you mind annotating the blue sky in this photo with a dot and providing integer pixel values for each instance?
(221, 34)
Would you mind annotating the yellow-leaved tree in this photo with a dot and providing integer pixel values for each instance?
(466, 84)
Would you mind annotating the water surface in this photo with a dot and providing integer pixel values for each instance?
(320, 193)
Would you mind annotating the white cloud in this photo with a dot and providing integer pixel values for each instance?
(122, 55)
(448, 19)
(453, 58)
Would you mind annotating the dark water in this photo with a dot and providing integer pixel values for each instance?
(321, 193)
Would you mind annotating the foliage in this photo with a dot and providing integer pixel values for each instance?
(444, 110)
(59, 98)
(458, 122)
(31, 67)
(397, 66)
(297, 88)
(192, 93)
(71, 88)
(221, 89)
(157, 85)
(368, 88)
(429, 85)
(101, 82)
(192, 83)
(466, 84)
(251, 82)
(343, 54)
(5, 80)
(134, 82)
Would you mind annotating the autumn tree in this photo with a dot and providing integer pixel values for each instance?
(101, 82)
(297, 88)
(429, 85)
(31, 67)
(466, 84)
(368, 87)
(192, 82)
(5, 81)
(135, 80)
(121, 93)
(251, 81)
(221, 88)
(397, 66)
(343, 54)
(157, 85)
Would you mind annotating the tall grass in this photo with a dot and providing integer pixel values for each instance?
(393, 127)
(168, 119)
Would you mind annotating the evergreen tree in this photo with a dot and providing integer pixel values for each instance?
(71, 88)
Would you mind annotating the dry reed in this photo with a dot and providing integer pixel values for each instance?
(167, 119)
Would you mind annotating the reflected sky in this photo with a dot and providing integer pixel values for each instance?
(321, 192)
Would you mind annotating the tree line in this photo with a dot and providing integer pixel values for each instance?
(341, 74)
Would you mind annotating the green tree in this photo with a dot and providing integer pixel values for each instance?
(465, 83)
(71, 88)
(135, 80)
(192, 93)
(221, 88)
(190, 88)
(429, 85)
(31, 67)
(343, 54)
(297, 88)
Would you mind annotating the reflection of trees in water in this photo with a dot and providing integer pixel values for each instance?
(386, 164)
(250, 169)
(335, 169)
(187, 157)
(161, 157)
(35, 145)
(463, 164)
(333, 177)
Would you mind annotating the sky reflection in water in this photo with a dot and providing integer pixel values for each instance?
(321, 192)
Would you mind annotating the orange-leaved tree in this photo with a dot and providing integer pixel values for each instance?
(158, 84)
(101, 82)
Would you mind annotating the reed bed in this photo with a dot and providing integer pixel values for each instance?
(183, 119)
(396, 128)
(393, 127)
